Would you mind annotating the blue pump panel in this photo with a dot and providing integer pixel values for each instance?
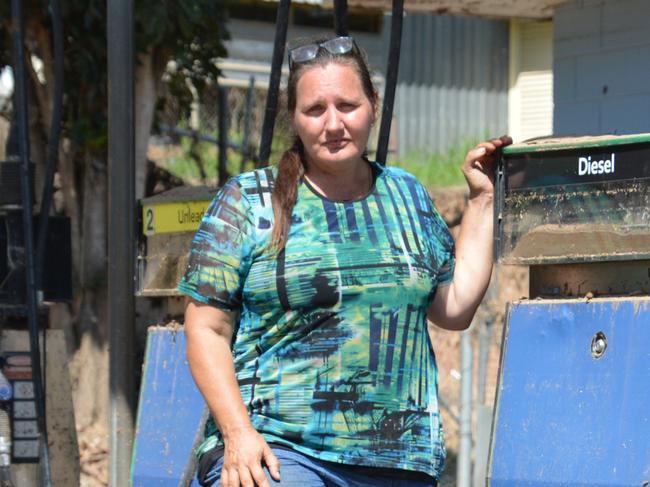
(169, 412)
(573, 401)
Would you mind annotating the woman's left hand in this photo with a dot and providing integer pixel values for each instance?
(480, 164)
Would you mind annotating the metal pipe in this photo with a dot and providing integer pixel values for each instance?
(392, 70)
(444, 403)
(27, 198)
(248, 115)
(121, 237)
(464, 466)
(163, 127)
(223, 135)
(341, 17)
(485, 333)
(281, 26)
(483, 413)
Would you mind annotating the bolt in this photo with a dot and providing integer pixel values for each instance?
(599, 346)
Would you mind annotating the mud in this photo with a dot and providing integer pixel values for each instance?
(575, 142)
(586, 242)
(164, 264)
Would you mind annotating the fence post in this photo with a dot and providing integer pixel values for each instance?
(464, 465)
(223, 135)
(248, 115)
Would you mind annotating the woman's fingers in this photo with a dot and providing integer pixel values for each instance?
(493, 144)
(479, 155)
(245, 478)
(483, 154)
(258, 475)
(504, 140)
(272, 463)
(233, 478)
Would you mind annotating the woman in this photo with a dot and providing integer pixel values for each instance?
(309, 287)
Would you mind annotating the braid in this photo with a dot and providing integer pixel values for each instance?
(285, 192)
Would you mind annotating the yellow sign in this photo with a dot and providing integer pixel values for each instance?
(173, 217)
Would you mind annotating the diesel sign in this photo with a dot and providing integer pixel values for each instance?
(604, 166)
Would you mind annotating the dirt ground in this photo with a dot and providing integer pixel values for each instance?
(508, 283)
(93, 455)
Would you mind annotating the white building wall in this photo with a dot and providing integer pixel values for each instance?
(530, 99)
(602, 67)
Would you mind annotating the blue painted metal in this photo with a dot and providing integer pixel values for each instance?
(564, 418)
(169, 412)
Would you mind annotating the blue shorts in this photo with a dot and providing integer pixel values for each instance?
(298, 470)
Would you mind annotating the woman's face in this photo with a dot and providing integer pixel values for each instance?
(333, 115)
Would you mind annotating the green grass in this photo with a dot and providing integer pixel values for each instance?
(436, 170)
(186, 161)
(433, 170)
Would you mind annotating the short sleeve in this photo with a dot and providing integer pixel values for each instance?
(221, 252)
(443, 246)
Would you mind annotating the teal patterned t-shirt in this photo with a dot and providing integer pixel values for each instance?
(331, 353)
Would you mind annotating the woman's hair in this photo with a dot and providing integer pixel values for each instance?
(291, 167)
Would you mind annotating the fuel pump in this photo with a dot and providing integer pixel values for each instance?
(572, 398)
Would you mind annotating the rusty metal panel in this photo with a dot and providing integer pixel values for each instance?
(625, 278)
(523, 9)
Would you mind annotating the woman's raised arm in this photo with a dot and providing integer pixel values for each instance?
(454, 305)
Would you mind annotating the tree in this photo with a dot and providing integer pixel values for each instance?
(178, 38)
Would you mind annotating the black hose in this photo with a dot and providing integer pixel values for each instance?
(52, 159)
(341, 17)
(281, 25)
(53, 142)
(20, 107)
(248, 113)
(222, 110)
(392, 71)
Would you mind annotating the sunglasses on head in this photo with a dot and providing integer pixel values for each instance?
(309, 52)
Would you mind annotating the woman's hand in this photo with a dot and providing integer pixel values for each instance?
(480, 164)
(244, 452)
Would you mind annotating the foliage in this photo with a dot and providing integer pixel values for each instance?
(188, 159)
(437, 170)
(187, 32)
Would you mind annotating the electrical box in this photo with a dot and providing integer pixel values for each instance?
(57, 263)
